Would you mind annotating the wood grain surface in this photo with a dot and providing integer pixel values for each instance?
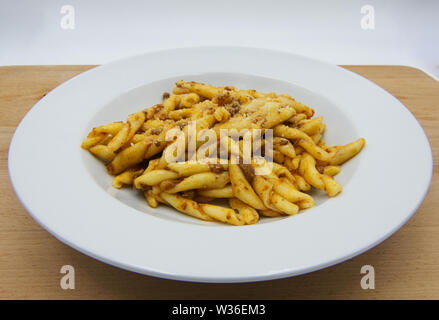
(406, 265)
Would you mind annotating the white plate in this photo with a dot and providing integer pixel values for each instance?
(68, 191)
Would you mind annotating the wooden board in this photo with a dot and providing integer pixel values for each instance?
(406, 265)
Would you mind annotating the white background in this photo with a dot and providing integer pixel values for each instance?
(406, 32)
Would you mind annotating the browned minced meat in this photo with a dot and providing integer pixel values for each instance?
(156, 131)
(283, 142)
(319, 169)
(233, 108)
(291, 125)
(223, 98)
(169, 184)
(137, 173)
(165, 95)
(216, 168)
(190, 194)
(158, 107)
(248, 170)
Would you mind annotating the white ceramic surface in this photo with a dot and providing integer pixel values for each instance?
(69, 193)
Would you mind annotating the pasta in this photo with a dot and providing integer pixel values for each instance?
(261, 151)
